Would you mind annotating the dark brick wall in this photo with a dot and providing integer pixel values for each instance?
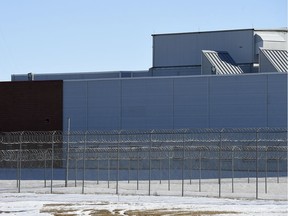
(31, 106)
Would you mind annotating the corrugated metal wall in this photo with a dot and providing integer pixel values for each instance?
(251, 100)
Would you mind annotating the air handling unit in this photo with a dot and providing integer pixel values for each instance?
(220, 63)
(273, 60)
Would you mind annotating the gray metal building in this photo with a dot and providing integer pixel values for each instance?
(221, 79)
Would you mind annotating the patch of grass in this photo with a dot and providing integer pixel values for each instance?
(57, 204)
(166, 212)
(67, 210)
(58, 209)
(117, 211)
(8, 212)
(101, 213)
(63, 214)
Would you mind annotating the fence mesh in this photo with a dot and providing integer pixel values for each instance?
(149, 155)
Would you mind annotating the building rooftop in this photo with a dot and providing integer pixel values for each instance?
(284, 29)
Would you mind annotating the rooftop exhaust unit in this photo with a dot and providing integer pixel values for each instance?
(218, 62)
(30, 76)
(273, 60)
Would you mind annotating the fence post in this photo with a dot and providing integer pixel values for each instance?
(45, 165)
(232, 166)
(256, 164)
(84, 164)
(138, 167)
(278, 169)
(108, 169)
(183, 164)
(97, 161)
(52, 163)
(160, 169)
(67, 154)
(150, 146)
(117, 177)
(20, 162)
(191, 168)
(220, 155)
(129, 167)
(169, 165)
(200, 169)
(76, 170)
(266, 169)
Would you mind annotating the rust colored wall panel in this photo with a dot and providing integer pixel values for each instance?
(31, 106)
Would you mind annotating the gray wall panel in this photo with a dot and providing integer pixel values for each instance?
(191, 102)
(104, 93)
(134, 104)
(258, 100)
(81, 75)
(238, 101)
(147, 103)
(104, 104)
(75, 105)
(185, 49)
(277, 100)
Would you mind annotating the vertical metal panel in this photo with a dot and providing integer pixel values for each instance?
(147, 103)
(75, 104)
(254, 100)
(185, 49)
(104, 104)
(238, 101)
(191, 102)
(134, 104)
(277, 100)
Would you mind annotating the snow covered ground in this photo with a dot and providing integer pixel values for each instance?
(100, 199)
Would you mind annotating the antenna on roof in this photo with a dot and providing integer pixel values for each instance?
(30, 76)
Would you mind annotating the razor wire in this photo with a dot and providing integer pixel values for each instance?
(156, 152)
(270, 143)
(137, 136)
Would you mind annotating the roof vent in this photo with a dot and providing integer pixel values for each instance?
(273, 60)
(30, 76)
(220, 63)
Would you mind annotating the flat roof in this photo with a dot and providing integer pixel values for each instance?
(284, 29)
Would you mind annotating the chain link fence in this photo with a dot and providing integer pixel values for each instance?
(186, 156)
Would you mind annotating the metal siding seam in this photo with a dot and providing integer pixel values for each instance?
(121, 105)
(173, 106)
(267, 101)
(208, 101)
(87, 105)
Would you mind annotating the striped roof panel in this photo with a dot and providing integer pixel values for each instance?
(223, 62)
(278, 58)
